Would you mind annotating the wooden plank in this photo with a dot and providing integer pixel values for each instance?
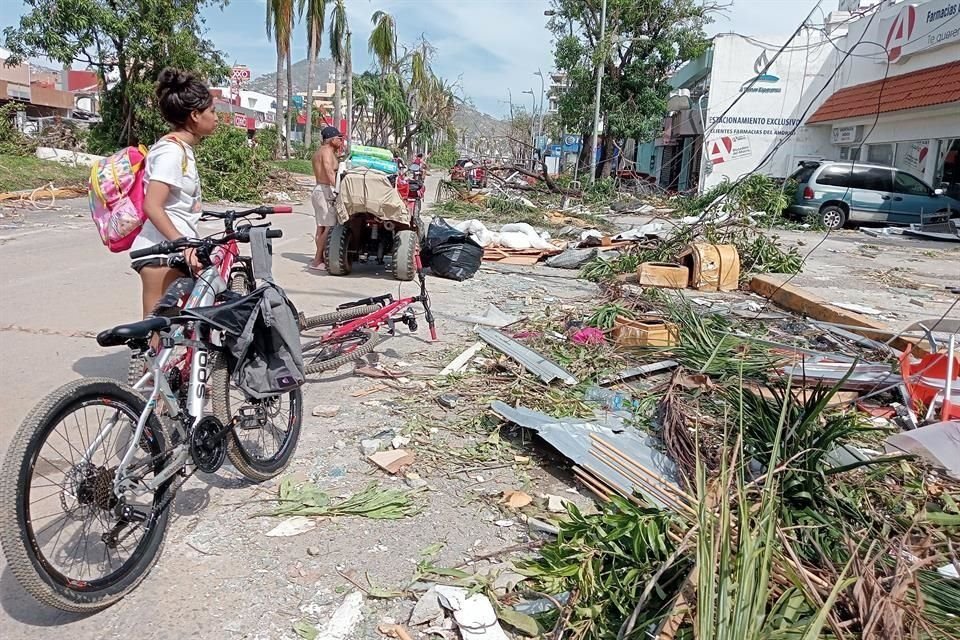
(775, 287)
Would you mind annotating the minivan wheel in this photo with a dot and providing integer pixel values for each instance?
(833, 217)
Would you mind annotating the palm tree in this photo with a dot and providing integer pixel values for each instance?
(383, 39)
(316, 16)
(338, 31)
(280, 28)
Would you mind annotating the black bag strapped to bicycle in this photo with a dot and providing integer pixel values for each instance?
(261, 334)
(450, 253)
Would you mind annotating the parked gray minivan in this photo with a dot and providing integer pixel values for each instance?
(840, 192)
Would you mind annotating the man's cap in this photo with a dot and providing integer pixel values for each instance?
(330, 132)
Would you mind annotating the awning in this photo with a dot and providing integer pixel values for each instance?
(924, 88)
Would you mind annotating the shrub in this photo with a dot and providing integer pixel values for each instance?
(234, 168)
(12, 141)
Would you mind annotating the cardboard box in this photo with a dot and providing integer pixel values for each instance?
(645, 332)
(713, 267)
(663, 274)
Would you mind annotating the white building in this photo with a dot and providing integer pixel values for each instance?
(881, 84)
(263, 104)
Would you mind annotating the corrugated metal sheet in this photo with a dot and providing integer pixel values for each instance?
(532, 361)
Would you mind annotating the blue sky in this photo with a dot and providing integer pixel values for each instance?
(490, 46)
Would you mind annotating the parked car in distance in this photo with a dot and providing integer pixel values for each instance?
(837, 193)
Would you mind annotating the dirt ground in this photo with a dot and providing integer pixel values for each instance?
(220, 576)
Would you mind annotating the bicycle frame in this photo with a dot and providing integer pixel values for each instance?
(373, 320)
(208, 284)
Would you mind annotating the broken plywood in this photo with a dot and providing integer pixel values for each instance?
(777, 288)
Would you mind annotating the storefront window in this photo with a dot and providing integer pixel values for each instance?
(880, 154)
(850, 153)
(912, 157)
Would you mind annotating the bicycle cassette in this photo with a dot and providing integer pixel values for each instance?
(208, 446)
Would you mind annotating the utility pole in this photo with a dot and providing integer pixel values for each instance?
(540, 125)
(533, 123)
(596, 96)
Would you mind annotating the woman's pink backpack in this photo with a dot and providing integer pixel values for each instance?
(116, 194)
(116, 197)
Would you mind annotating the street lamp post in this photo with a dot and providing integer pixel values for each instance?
(533, 119)
(596, 95)
(540, 125)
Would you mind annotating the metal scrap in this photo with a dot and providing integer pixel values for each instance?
(636, 372)
(861, 376)
(578, 440)
(532, 361)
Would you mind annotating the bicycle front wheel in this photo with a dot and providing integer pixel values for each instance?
(336, 317)
(61, 524)
(329, 355)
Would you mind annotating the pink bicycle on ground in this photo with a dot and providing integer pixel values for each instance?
(355, 326)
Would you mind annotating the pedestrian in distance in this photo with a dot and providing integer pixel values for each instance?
(326, 161)
(173, 200)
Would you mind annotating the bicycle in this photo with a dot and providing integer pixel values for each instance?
(235, 269)
(355, 326)
(120, 477)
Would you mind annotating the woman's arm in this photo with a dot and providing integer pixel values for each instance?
(153, 203)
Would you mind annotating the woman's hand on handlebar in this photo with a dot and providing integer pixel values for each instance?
(192, 260)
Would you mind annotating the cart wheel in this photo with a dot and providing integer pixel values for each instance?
(338, 251)
(404, 253)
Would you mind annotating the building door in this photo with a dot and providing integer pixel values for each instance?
(948, 168)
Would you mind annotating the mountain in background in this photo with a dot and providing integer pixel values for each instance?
(267, 83)
(471, 123)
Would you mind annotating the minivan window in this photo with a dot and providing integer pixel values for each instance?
(871, 178)
(906, 183)
(802, 175)
(835, 176)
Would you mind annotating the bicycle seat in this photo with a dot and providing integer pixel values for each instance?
(124, 333)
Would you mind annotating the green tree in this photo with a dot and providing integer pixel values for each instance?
(340, 54)
(644, 41)
(382, 43)
(127, 44)
(280, 19)
(316, 16)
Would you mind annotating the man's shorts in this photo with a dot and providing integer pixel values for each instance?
(324, 205)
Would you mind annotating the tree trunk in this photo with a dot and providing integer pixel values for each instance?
(606, 158)
(290, 110)
(337, 105)
(278, 117)
(311, 63)
(348, 71)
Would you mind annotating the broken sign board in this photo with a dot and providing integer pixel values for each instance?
(532, 361)
(575, 439)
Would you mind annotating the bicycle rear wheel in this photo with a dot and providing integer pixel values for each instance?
(267, 431)
(61, 527)
(329, 355)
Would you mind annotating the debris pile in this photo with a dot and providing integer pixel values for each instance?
(745, 459)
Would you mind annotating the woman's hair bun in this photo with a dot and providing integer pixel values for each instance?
(171, 78)
(180, 93)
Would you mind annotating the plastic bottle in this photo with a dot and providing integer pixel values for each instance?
(610, 399)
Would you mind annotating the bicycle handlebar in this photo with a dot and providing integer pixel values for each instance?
(173, 246)
(262, 211)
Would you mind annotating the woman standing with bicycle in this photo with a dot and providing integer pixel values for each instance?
(173, 199)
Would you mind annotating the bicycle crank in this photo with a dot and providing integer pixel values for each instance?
(208, 447)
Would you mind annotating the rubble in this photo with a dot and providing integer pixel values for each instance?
(531, 360)
(473, 613)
